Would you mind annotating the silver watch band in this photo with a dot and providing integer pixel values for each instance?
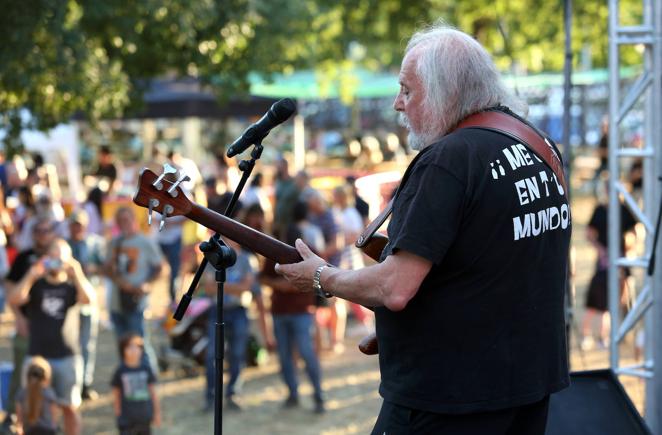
(317, 285)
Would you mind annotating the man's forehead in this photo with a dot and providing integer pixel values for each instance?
(409, 64)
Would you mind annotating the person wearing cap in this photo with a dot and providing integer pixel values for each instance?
(48, 294)
(87, 248)
(43, 235)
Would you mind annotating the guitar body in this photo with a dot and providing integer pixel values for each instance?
(373, 249)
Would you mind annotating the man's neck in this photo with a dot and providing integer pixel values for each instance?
(132, 364)
(39, 251)
(56, 279)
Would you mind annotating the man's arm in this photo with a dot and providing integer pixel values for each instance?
(84, 289)
(19, 293)
(117, 401)
(20, 420)
(263, 322)
(156, 419)
(391, 283)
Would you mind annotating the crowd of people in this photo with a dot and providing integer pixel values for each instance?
(469, 338)
(68, 267)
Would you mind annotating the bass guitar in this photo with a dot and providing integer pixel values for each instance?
(156, 193)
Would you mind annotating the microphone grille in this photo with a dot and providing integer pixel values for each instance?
(283, 109)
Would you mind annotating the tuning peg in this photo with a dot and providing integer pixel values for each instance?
(173, 189)
(167, 169)
(167, 210)
(153, 202)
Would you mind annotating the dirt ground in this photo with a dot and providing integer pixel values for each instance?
(350, 383)
(350, 379)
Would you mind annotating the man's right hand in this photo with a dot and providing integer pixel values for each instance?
(270, 344)
(37, 270)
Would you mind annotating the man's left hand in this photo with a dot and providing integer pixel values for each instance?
(73, 269)
(301, 274)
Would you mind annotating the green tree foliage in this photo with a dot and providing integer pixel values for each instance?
(60, 57)
(48, 66)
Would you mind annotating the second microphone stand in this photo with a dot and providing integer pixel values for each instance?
(221, 257)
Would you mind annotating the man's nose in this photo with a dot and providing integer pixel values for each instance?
(397, 103)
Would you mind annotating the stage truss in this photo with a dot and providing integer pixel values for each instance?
(644, 92)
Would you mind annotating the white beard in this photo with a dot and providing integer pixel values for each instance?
(416, 140)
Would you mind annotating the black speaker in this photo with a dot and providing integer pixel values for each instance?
(594, 404)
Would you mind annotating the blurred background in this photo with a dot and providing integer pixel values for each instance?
(91, 92)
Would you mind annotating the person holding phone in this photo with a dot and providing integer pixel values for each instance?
(47, 293)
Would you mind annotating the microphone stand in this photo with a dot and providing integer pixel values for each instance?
(221, 257)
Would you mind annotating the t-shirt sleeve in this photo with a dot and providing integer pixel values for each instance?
(256, 288)
(154, 253)
(49, 395)
(628, 221)
(244, 265)
(151, 379)
(431, 204)
(595, 217)
(356, 223)
(99, 252)
(18, 268)
(72, 296)
(254, 265)
(110, 250)
(116, 379)
(4, 262)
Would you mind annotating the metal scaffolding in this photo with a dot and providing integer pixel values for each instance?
(646, 90)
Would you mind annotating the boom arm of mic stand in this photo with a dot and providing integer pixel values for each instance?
(247, 169)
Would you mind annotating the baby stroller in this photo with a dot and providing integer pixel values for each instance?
(187, 339)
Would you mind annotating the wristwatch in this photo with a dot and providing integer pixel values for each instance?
(317, 285)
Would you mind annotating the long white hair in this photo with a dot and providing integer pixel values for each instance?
(458, 76)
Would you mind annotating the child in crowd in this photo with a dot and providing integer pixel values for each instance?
(36, 406)
(134, 396)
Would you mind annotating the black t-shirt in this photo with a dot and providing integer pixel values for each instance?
(22, 263)
(362, 207)
(603, 149)
(53, 324)
(599, 222)
(485, 330)
(133, 383)
(106, 170)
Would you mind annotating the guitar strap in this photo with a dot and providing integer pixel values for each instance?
(491, 120)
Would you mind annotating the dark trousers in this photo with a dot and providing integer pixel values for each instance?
(172, 253)
(523, 420)
(136, 429)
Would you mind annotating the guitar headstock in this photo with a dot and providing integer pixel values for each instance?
(155, 192)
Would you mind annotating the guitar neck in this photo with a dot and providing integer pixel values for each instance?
(246, 236)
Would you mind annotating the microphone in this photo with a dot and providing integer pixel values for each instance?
(279, 112)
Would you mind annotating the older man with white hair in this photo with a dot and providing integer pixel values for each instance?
(468, 296)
